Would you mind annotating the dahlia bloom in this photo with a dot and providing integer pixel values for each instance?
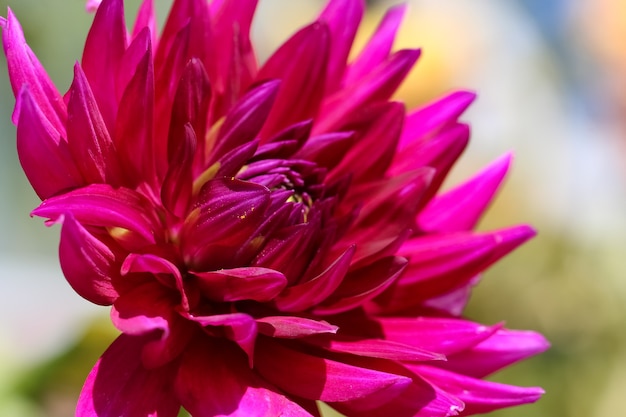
(271, 236)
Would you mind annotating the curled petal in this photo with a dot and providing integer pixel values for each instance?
(252, 283)
(87, 263)
(149, 309)
(241, 328)
(165, 272)
(105, 206)
(143, 310)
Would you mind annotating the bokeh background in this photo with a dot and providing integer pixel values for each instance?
(551, 78)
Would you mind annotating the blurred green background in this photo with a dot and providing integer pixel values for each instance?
(551, 78)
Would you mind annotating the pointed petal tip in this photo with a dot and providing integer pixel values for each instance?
(92, 5)
(410, 54)
(533, 343)
(465, 97)
(515, 235)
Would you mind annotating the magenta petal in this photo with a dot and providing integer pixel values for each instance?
(343, 18)
(460, 208)
(104, 49)
(445, 336)
(439, 152)
(387, 217)
(166, 77)
(479, 396)
(87, 263)
(241, 328)
(165, 272)
(232, 55)
(149, 309)
(214, 380)
(191, 106)
(289, 251)
(310, 293)
(130, 61)
(362, 285)
(251, 283)
(321, 379)
(379, 85)
(375, 348)
(146, 18)
(119, 385)
(434, 116)
(378, 47)
(25, 70)
(177, 188)
(143, 310)
(87, 135)
(103, 205)
(502, 349)
(326, 150)
(44, 155)
(371, 154)
(300, 64)
(228, 211)
(245, 119)
(419, 399)
(291, 327)
(442, 264)
(134, 123)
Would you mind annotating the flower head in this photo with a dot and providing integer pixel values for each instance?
(267, 237)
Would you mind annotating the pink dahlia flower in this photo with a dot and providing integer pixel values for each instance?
(267, 237)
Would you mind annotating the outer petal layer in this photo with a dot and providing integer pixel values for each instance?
(214, 380)
(119, 385)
